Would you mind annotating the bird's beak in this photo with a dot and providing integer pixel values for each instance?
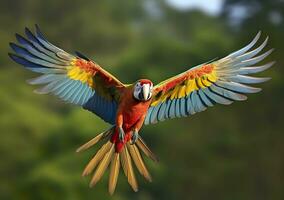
(146, 91)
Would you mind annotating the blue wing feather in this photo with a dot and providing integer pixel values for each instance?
(204, 98)
(183, 107)
(172, 110)
(161, 114)
(177, 108)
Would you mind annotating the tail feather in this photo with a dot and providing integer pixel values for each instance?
(138, 160)
(97, 158)
(128, 169)
(108, 155)
(114, 171)
(142, 145)
(95, 140)
(102, 166)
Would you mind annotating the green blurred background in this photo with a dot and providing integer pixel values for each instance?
(228, 152)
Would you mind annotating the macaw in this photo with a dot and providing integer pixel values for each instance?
(127, 107)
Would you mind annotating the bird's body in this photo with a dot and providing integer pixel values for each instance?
(130, 115)
(127, 107)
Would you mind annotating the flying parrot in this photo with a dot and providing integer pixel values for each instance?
(127, 107)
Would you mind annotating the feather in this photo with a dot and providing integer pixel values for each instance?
(169, 102)
(154, 114)
(147, 119)
(253, 70)
(59, 52)
(189, 105)
(177, 108)
(138, 160)
(65, 89)
(238, 87)
(161, 113)
(183, 107)
(21, 51)
(141, 144)
(32, 58)
(196, 102)
(61, 88)
(97, 158)
(205, 98)
(46, 70)
(72, 90)
(217, 98)
(35, 49)
(246, 48)
(128, 169)
(77, 92)
(102, 166)
(88, 95)
(247, 79)
(46, 78)
(47, 88)
(254, 52)
(228, 94)
(24, 62)
(61, 83)
(42, 49)
(95, 140)
(114, 171)
(80, 100)
(172, 109)
(253, 61)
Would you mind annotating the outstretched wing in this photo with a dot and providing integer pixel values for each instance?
(222, 81)
(75, 79)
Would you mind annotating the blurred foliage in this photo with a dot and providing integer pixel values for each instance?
(233, 152)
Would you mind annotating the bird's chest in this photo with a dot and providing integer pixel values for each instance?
(133, 112)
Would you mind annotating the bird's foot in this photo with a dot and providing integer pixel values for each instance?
(121, 134)
(134, 137)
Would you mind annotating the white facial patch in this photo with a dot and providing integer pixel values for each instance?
(142, 92)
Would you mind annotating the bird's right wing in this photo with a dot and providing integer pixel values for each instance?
(75, 79)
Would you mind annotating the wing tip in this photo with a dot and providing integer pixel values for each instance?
(17, 34)
(270, 64)
(29, 33)
(38, 32)
(256, 90)
(16, 48)
(29, 81)
(264, 79)
(256, 38)
(13, 56)
(27, 29)
(12, 44)
(40, 91)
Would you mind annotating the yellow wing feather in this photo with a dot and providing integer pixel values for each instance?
(187, 83)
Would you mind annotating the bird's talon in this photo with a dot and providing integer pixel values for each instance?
(121, 134)
(134, 137)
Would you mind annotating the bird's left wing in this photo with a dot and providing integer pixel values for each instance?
(75, 79)
(222, 81)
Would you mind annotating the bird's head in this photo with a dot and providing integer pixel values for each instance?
(143, 90)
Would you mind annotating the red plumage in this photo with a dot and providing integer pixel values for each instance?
(130, 114)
